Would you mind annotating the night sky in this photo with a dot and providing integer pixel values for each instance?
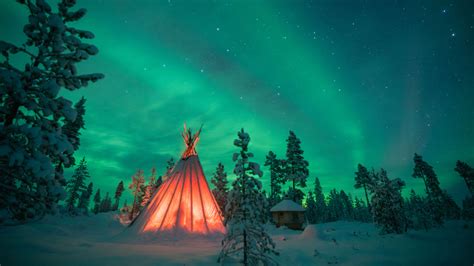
(368, 82)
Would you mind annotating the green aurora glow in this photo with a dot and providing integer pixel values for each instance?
(357, 82)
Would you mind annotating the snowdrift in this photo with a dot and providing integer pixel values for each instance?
(93, 240)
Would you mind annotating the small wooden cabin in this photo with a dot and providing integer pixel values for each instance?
(288, 213)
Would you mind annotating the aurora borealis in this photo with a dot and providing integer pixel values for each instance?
(358, 82)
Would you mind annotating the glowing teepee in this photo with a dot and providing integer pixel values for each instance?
(183, 203)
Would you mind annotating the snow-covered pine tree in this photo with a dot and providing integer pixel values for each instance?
(97, 201)
(246, 238)
(137, 186)
(277, 177)
(296, 167)
(387, 204)
(320, 208)
(147, 194)
(220, 191)
(148, 189)
(347, 206)
(76, 186)
(296, 195)
(118, 193)
(85, 198)
(434, 194)
(467, 173)
(72, 128)
(417, 212)
(310, 213)
(361, 212)
(334, 207)
(34, 148)
(362, 180)
(358, 205)
(154, 182)
(451, 209)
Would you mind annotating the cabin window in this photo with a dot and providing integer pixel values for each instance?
(280, 213)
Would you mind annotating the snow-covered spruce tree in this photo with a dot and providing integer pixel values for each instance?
(118, 193)
(76, 186)
(451, 209)
(154, 181)
(310, 213)
(72, 128)
(296, 167)
(148, 192)
(334, 207)
(387, 204)
(220, 191)
(137, 186)
(277, 177)
(296, 195)
(361, 211)
(34, 149)
(246, 238)
(320, 208)
(467, 173)
(347, 206)
(362, 180)
(434, 194)
(85, 199)
(97, 201)
(418, 213)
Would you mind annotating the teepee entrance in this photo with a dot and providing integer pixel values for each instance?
(183, 203)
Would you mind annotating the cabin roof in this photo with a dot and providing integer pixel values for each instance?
(287, 205)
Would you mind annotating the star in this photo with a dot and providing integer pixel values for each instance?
(218, 29)
(453, 34)
(444, 11)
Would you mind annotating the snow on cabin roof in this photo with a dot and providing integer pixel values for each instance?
(287, 205)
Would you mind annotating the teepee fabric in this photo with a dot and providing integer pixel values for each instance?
(183, 203)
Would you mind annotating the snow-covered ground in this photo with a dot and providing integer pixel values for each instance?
(92, 241)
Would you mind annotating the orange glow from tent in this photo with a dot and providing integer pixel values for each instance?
(184, 201)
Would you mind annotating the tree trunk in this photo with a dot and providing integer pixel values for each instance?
(244, 183)
(367, 198)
